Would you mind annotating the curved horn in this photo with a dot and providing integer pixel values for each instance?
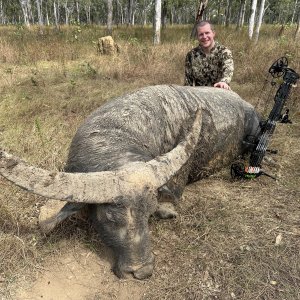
(101, 187)
(93, 187)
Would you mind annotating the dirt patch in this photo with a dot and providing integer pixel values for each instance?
(77, 276)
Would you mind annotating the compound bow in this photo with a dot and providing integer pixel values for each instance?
(259, 143)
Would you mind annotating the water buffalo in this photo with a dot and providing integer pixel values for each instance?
(132, 158)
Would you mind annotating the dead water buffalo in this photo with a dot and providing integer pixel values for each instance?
(132, 158)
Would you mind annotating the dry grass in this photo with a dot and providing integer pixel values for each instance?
(223, 244)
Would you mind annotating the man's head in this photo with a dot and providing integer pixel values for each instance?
(205, 35)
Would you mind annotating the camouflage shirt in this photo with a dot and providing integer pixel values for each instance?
(208, 69)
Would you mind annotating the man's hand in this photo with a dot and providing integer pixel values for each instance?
(222, 85)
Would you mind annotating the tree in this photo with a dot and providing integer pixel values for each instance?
(241, 15)
(47, 12)
(294, 11)
(228, 13)
(39, 11)
(199, 15)
(252, 18)
(56, 13)
(260, 18)
(131, 12)
(68, 11)
(25, 10)
(164, 13)
(157, 22)
(297, 32)
(87, 9)
(109, 16)
(2, 16)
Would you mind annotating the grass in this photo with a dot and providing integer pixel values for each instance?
(223, 244)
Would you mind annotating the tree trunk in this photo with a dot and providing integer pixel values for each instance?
(47, 22)
(252, 18)
(144, 14)
(157, 22)
(66, 13)
(241, 15)
(228, 13)
(130, 20)
(164, 13)
(30, 13)
(294, 11)
(78, 12)
(109, 16)
(39, 12)
(121, 12)
(24, 6)
(1, 13)
(58, 12)
(297, 32)
(219, 13)
(260, 19)
(172, 15)
(199, 16)
(55, 13)
(87, 9)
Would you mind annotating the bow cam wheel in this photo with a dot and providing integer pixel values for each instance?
(278, 67)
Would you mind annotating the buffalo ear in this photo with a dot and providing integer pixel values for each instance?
(166, 195)
(54, 212)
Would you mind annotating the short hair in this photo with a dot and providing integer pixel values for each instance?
(203, 23)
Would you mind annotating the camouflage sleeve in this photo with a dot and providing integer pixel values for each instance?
(188, 79)
(228, 66)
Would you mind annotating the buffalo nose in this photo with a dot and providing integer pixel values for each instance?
(144, 272)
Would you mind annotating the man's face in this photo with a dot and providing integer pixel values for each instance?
(206, 37)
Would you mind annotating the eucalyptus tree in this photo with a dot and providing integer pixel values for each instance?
(252, 18)
(241, 14)
(1, 12)
(87, 9)
(296, 4)
(260, 19)
(157, 22)
(282, 11)
(146, 10)
(109, 16)
(56, 13)
(39, 4)
(297, 32)
(228, 12)
(131, 12)
(26, 7)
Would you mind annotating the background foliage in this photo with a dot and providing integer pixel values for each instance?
(138, 11)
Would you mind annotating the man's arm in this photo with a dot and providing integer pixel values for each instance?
(227, 70)
(188, 79)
